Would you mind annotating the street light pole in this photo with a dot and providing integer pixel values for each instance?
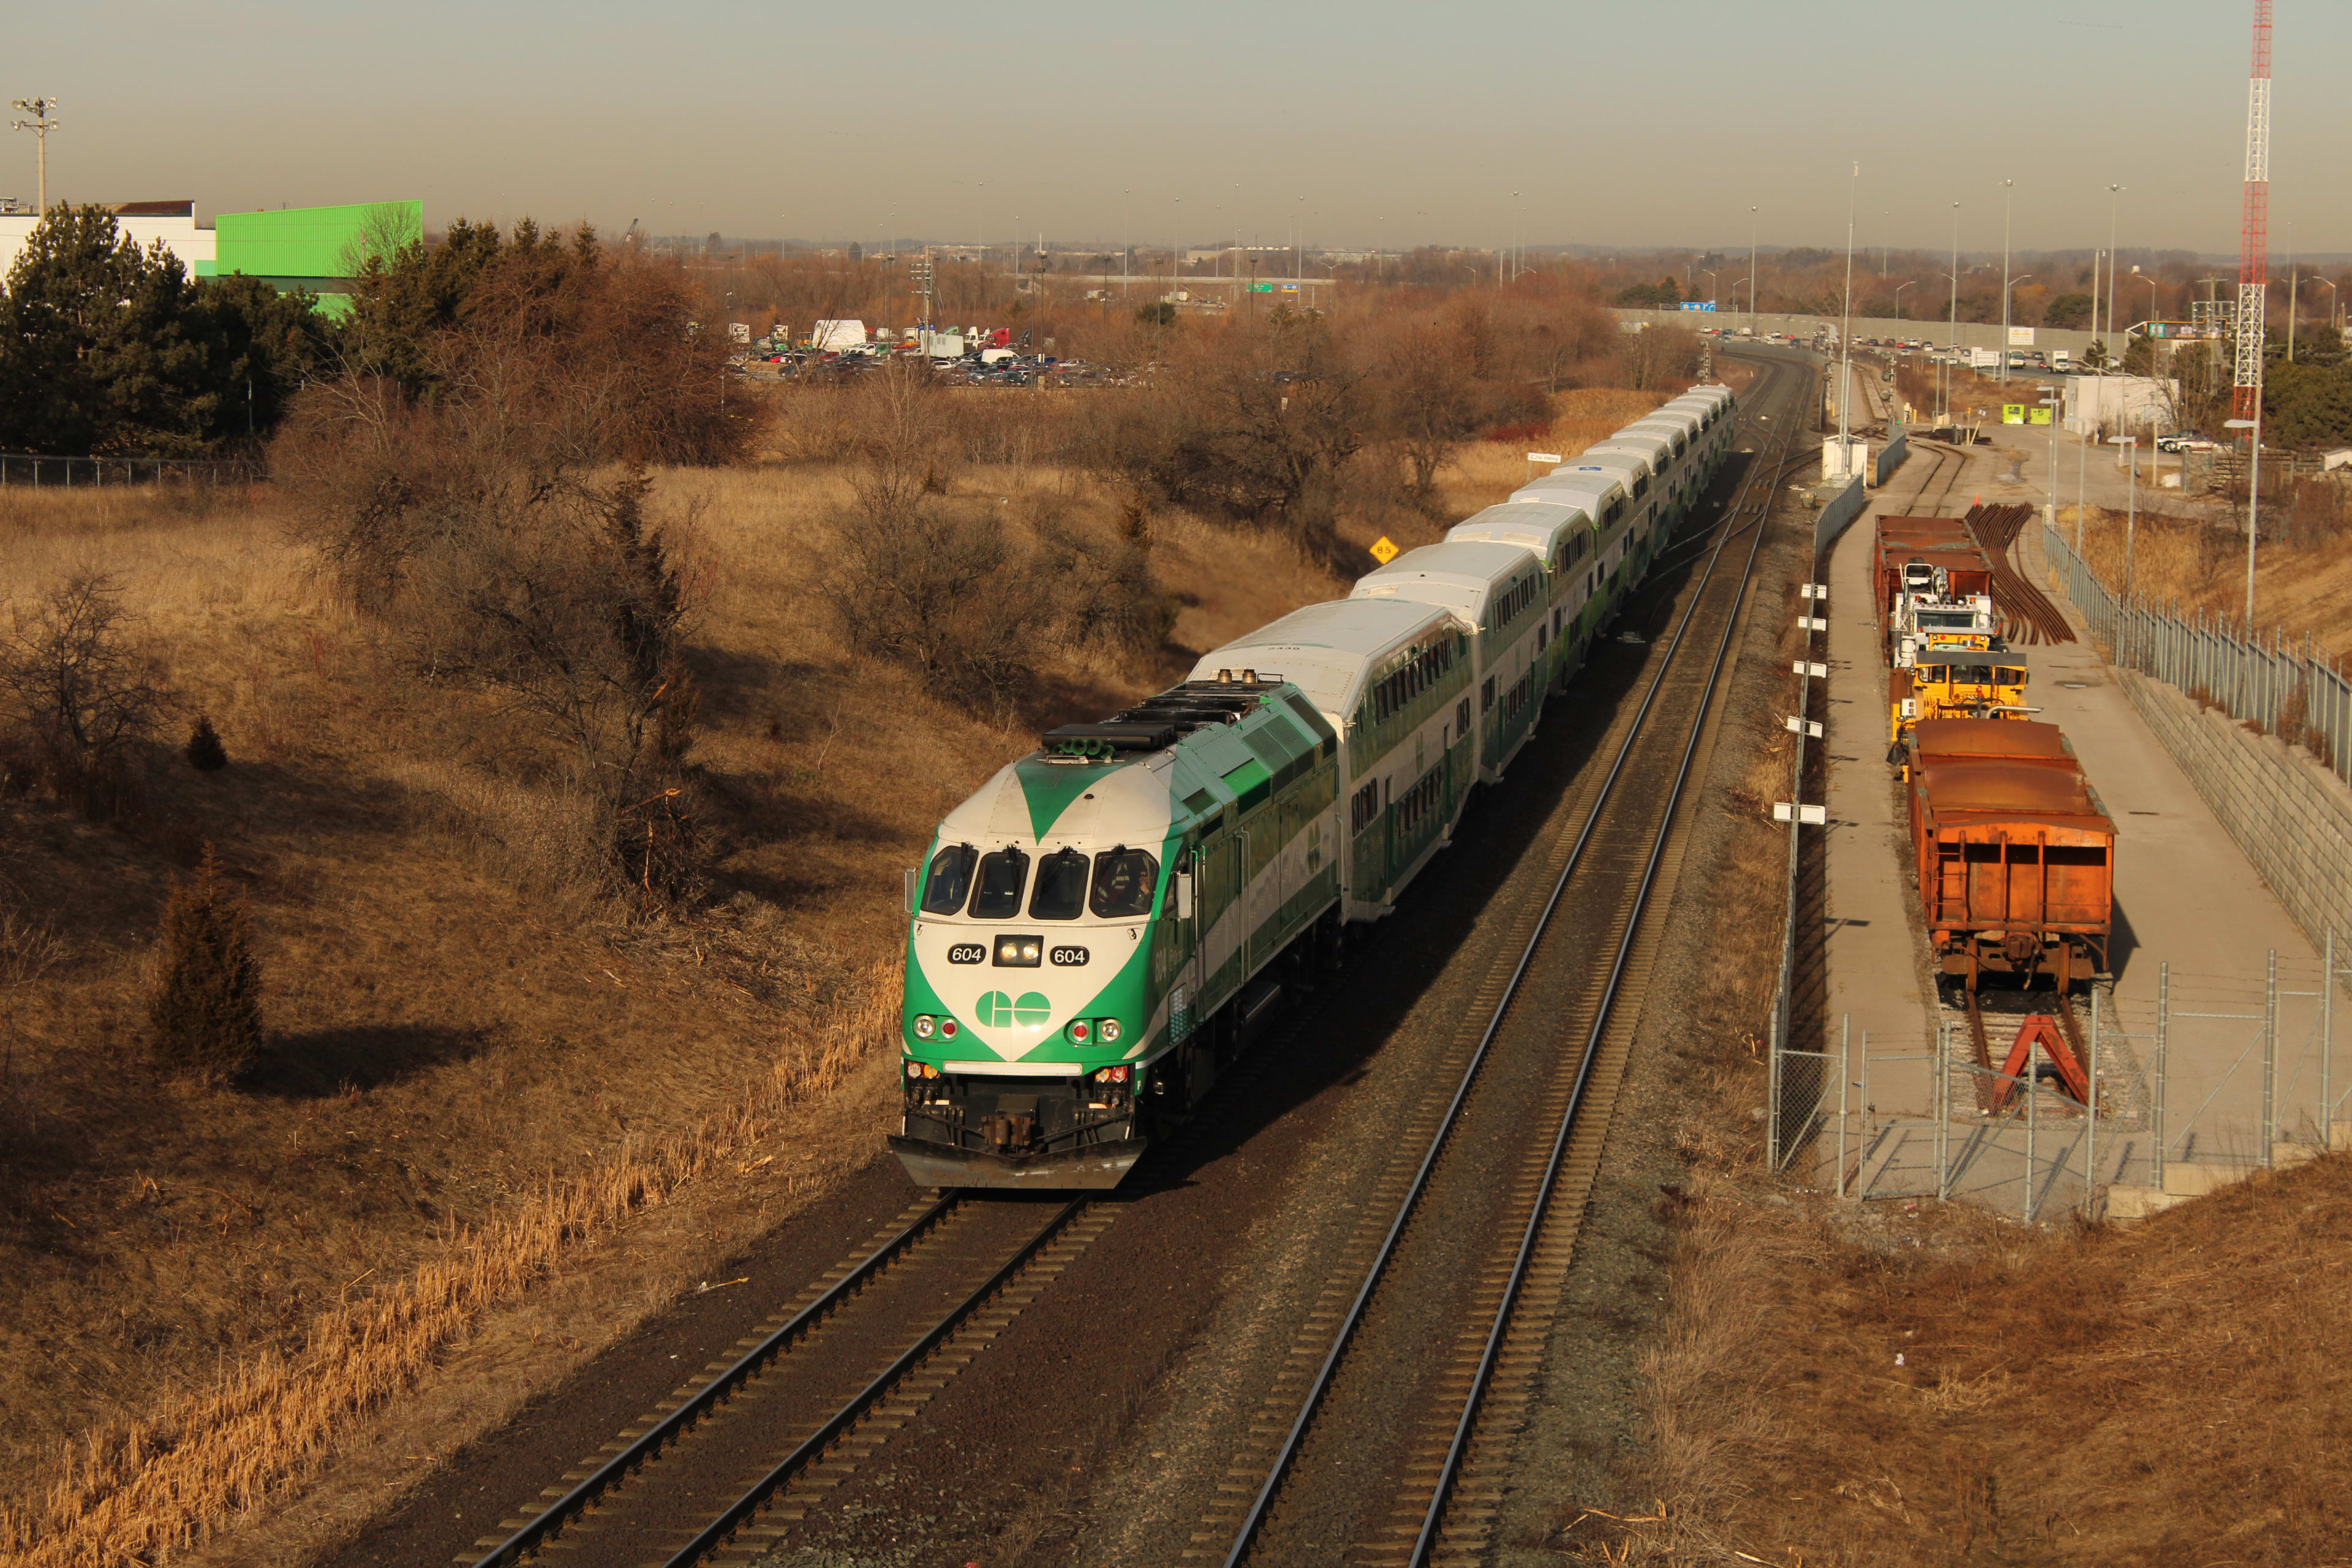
(2253, 499)
(2131, 511)
(1846, 338)
(1751, 272)
(2293, 279)
(2114, 194)
(1898, 296)
(2053, 399)
(1953, 322)
(44, 121)
(2008, 188)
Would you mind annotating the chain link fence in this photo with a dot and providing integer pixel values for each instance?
(2152, 1097)
(36, 471)
(2294, 692)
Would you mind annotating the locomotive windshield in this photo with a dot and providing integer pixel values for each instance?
(951, 879)
(1061, 891)
(1125, 881)
(1002, 873)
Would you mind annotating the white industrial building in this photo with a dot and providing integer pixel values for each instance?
(2104, 405)
(173, 223)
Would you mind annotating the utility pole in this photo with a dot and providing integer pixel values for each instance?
(1845, 339)
(2254, 283)
(1751, 272)
(1953, 320)
(2008, 188)
(43, 111)
(2114, 194)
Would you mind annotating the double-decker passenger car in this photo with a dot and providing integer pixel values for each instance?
(1098, 931)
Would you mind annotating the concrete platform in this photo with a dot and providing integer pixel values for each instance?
(2185, 895)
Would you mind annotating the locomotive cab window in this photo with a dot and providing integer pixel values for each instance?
(1002, 874)
(1061, 891)
(1125, 881)
(951, 879)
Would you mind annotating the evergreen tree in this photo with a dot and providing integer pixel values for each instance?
(106, 348)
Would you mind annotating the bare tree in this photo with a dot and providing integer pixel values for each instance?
(1428, 398)
(77, 680)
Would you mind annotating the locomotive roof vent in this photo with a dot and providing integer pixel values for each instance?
(1160, 721)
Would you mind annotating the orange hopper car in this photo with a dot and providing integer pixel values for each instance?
(2015, 854)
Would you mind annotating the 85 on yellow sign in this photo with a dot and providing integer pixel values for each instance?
(1384, 550)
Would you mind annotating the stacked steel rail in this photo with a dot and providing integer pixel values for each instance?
(2032, 618)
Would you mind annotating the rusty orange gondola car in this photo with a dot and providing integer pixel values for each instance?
(2014, 851)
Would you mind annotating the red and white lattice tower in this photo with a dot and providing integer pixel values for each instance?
(2255, 237)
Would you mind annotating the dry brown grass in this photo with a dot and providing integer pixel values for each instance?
(1486, 472)
(472, 1064)
(2199, 565)
(136, 1490)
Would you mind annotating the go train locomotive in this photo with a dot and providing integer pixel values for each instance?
(1110, 919)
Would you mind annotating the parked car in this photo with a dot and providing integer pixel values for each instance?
(2184, 441)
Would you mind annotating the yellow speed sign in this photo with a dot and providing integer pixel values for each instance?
(1384, 550)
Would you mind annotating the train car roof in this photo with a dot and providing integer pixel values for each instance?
(1531, 524)
(1324, 649)
(1990, 792)
(1189, 751)
(1638, 454)
(1978, 738)
(1591, 490)
(1593, 461)
(1681, 421)
(1462, 575)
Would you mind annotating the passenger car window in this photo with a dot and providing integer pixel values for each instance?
(1002, 873)
(1061, 891)
(1125, 881)
(951, 879)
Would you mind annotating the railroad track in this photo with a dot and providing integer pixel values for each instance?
(731, 1461)
(2031, 616)
(1981, 1044)
(735, 1458)
(1949, 462)
(1483, 1200)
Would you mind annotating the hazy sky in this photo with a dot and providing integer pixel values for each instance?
(1627, 123)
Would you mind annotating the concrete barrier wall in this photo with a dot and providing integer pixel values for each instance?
(1837, 513)
(2292, 817)
(1967, 335)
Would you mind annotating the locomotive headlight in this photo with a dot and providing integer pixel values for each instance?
(1110, 1031)
(925, 1025)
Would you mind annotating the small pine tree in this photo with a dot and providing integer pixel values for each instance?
(205, 1009)
(205, 751)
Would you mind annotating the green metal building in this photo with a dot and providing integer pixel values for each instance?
(317, 249)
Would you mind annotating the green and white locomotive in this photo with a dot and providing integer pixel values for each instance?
(1100, 930)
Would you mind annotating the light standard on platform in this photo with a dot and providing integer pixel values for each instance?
(2007, 189)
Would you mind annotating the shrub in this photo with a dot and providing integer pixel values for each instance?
(84, 694)
(203, 750)
(205, 1012)
(954, 597)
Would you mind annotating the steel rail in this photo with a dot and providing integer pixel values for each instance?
(1467, 1427)
(1294, 1440)
(648, 1446)
(717, 1532)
